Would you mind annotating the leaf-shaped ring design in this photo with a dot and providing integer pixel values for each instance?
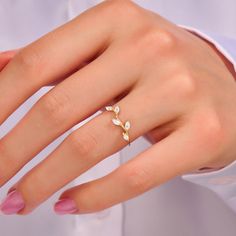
(118, 122)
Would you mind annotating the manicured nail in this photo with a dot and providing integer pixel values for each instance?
(65, 206)
(11, 189)
(12, 203)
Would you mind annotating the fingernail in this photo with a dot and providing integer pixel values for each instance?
(12, 203)
(11, 190)
(65, 206)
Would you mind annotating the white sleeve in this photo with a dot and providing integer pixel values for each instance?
(221, 181)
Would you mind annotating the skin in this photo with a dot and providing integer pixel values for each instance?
(174, 88)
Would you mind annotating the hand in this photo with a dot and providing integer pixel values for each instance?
(171, 85)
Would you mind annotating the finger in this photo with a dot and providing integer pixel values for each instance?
(6, 57)
(52, 57)
(61, 108)
(180, 152)
(85, 147)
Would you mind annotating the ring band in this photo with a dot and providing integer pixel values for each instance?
(116, 121)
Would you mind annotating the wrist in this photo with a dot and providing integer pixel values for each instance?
(227, 63)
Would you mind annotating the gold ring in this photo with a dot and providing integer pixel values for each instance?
(118, 122)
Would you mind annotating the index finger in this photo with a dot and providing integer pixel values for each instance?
(51, 58)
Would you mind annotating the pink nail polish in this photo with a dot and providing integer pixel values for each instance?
(12, 203)
(65, 206)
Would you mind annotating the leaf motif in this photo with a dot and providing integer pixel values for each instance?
(125, 136)
(127, 125)
(116, 121)
(116, 109)
(109, 108)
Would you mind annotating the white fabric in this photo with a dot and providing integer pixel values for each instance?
(190, 205)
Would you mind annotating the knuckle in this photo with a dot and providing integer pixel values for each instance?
(33, 193)
(83, 145)
(138, 180)
(120, 7)
(184, 86)
(213, 129)
(55, 107)
(153, 42)
(29, 60)
(159, 41)
(119, 12)
(212, 133)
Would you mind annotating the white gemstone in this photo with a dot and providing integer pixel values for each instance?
(109, 108)
(116, 121)
(127, 125)
(117, 109)
(125, 136)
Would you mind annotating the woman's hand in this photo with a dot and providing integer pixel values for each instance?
(171, 85)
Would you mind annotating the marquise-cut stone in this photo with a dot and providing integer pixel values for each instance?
(127, 125)
(125, 136)
(109, 108)
(116, 121)
(116, 109)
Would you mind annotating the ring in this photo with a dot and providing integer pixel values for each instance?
(116, 121)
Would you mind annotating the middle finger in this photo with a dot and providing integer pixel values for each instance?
(73, 100)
